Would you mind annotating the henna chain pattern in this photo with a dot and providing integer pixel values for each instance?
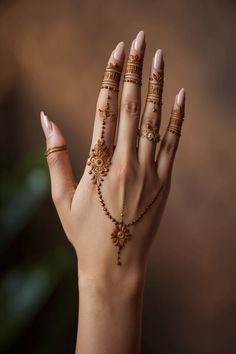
(134, 69)
(176, 121)
(121, 233)
(99, 159)
(112, 77)
(155, 89)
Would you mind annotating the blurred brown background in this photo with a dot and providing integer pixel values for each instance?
(52, 56)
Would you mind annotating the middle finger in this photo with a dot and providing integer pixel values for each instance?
(131, 100)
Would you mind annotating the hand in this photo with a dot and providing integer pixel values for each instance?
(139, 173)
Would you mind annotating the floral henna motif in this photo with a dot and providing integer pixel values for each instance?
(120, 235)
(99, 159)
(99, 162)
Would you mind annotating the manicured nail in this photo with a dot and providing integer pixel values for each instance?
(119, 51)
(158, 60)
(46, 124)
(181, 97)
(139, 42)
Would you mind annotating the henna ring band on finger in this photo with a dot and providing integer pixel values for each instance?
(176, 121)
(112, 77)
(134, 68)
(155, 88)
(55, 149)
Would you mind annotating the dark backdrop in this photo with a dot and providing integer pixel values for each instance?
(52, 58)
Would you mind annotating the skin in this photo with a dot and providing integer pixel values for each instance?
(111, 296)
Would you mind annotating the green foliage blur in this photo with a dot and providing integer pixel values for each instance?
(38, 306)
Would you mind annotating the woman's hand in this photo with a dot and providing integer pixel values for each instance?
(112, 215)
(139, 171)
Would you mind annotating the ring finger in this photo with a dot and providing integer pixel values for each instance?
(151, 120)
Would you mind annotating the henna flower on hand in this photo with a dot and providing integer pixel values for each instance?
(120, 235)
(99, 162)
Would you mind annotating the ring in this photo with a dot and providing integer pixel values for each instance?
(55, 149)
(150, 134)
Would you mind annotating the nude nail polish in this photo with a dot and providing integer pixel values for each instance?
(46, 124)
(139, 41)
(158, 60)
(181, 97)
(119, 51)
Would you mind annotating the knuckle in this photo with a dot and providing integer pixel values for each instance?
(57, 197)
(131, 107)
(150, 122)
(123, 171)
(105, 112)
(170, 146)
(126, 171)
(55, 158)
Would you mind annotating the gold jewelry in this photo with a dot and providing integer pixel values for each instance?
(176, 121)
(134, 69)
(150, 133)
(155, 88)
(112, 76)
(121, 233)
(55, 149)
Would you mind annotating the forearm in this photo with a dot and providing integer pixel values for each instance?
(110, 315)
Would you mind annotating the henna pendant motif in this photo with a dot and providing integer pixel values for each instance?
(120, 236)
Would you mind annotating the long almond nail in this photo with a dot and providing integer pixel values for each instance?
(46, 124)
(139, 42)
(158, 60)
(119, 52)
(181, 97)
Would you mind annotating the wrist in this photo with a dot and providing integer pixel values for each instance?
(115, 285)
(110, 307)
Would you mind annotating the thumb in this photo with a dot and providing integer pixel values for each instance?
(62, 179)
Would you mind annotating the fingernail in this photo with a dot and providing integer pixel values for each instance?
(139, 41)
(119, 51)
(158, 60)
(181, 97)
(46, 124)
